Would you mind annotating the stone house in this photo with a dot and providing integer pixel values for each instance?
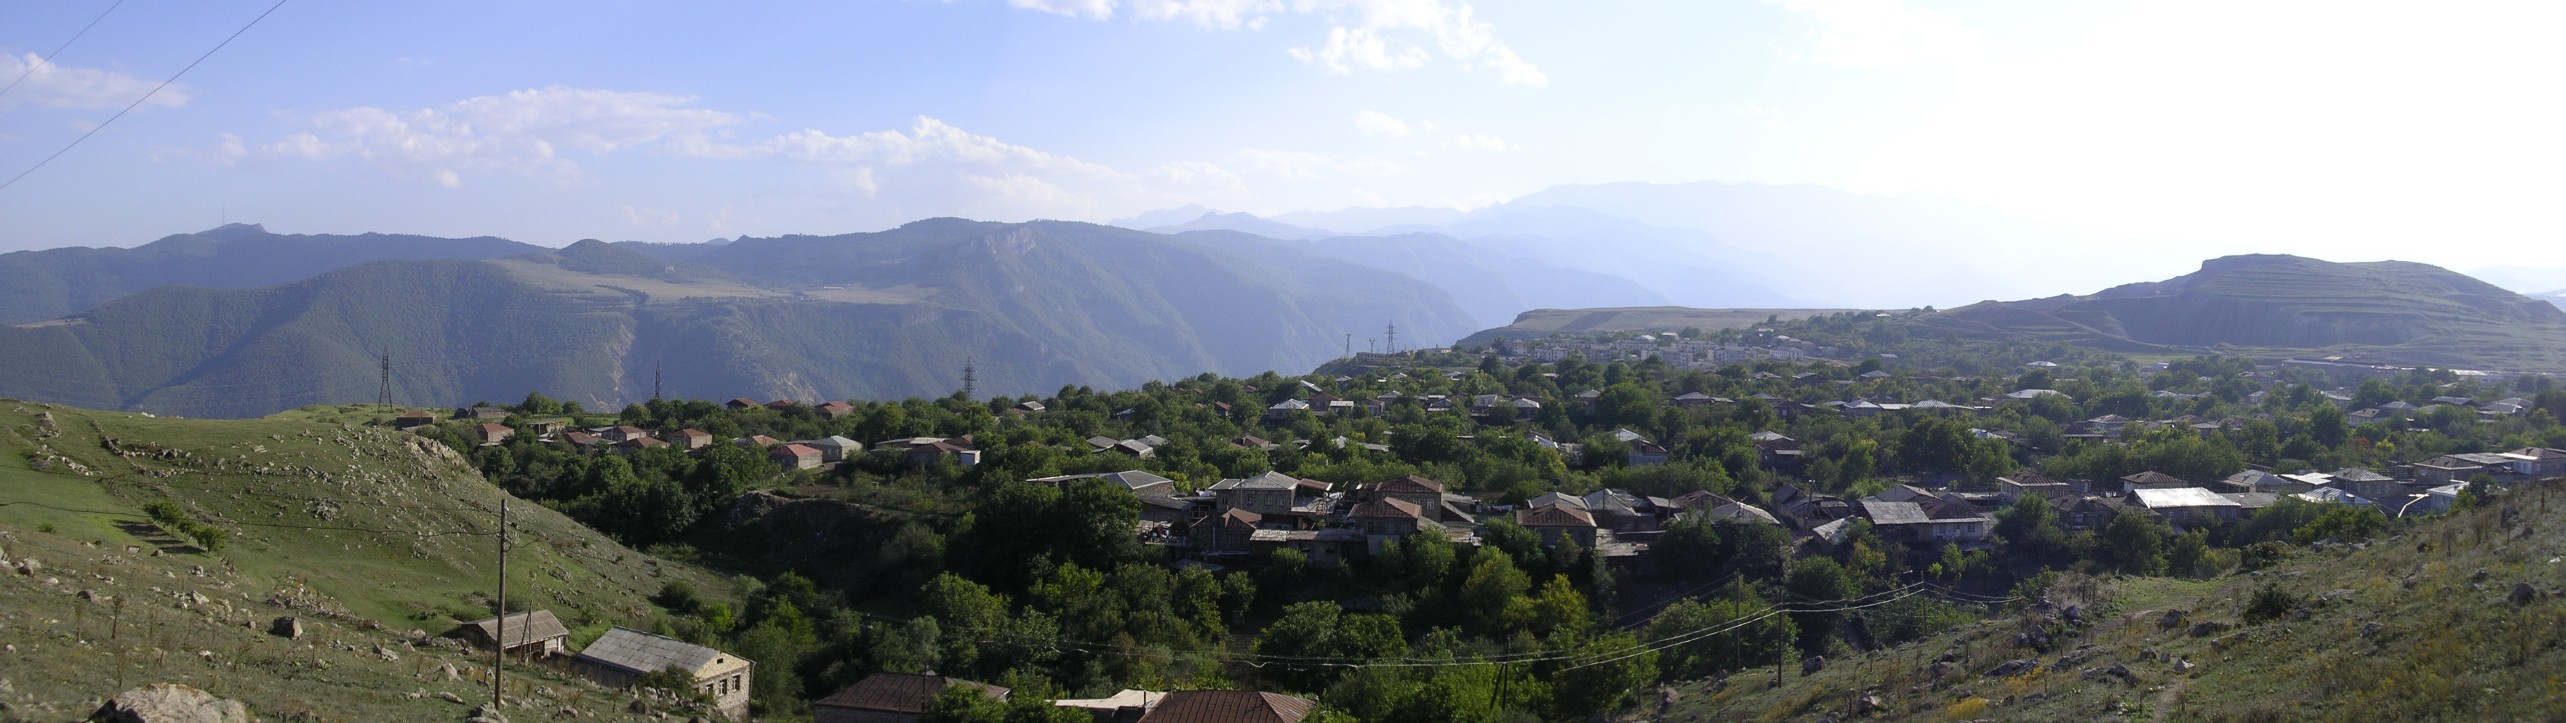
(623, 655)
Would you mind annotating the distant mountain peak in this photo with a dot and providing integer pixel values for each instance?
(231, 231)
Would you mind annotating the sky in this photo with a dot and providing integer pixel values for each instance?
(2342, 130)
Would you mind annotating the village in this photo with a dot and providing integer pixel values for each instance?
(1923, 512)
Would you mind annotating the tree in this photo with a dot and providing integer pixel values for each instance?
(2030, 527)
(1492, 596)
(1623, 405)
(1764, 641)
(1817, 582)
(2134, 543)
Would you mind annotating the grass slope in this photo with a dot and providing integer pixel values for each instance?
(365, 534)
(2388, 311)
(2417, 626)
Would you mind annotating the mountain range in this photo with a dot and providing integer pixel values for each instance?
(1030, 306)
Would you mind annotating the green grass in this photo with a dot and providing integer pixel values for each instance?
(2448, 647)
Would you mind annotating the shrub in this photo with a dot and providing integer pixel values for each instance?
(2269, 603)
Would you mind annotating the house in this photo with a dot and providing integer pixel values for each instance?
(1124, 706)
(1776, 452)
(796, 456)
(2152, 480)
(1387, 519)
(2015, 486)
(481, 412)
(1283, 410)
(834, 410)
(758, 442)
(1740, 513)
(1621, 511)
(1135, 449)
(1803, 510)
(623, 433)
(582, 439)
(1228, 706)
(1557, 522)
(2537, 462)
(1028, 407)
(739, 404)
(782, 404)
(2187, 508)
(2085, 513)
(2260, 481)
(2460, 467)
(2333, 496)
(834, 448)
(1912, 522)
(1270, 493)
(927, 451)
(1425, 494)
(1228, 534)
(624, 654)
(892, 698)
(638, 445)
(532, 634)
(691, 439)
(492, 433)
(1643, 452)
(413, 419)
(1698, 500)
(2366, 483)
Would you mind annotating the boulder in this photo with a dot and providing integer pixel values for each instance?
(1812, 664)
(2524, 594)
(2207, 628)
(449, 697)
(2370, 628)
(286, 627)
(170, 703)
(2172, 619)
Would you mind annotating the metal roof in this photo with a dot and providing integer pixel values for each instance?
(2157, 499)
(1884, 512)
(900, 692)
(642, 652)
(522, 628)
(1229, 706)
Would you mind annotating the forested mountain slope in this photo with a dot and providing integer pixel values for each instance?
(1031, 306)
(39, 285)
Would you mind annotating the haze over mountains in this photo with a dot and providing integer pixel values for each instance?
(882, 315)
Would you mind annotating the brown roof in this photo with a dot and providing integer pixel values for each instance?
(900, 692)
(2152, 478)
(1412, 483)
(1388, 508)
(1554, 516)
(692, 433)
(1229, 706)
(1236, 517)
(794, 450)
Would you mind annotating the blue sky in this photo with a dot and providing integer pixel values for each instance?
(2345, 131)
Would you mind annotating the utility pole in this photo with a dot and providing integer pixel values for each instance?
(970, 380)
(1349, 346)
(1391, 339)
(654, 381)
(383, 396)
(499, 642)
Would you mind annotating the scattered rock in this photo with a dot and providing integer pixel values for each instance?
(2207, 628)
(449, 697)
(2333, 596)
(2369, 628)
(1867, 703)
(2074, 614)
(387, 654)
(1939, 669)
(2183, 666)
(1812, 664)
(2524, 594)
(488, 712)
(447, 671)
(286, 627)
(2229, 641)
(170, 703)
(91, 596)
(2120, 671)
(2013, 668)
(638, 707)
(2172, 619)
(28, 566)
(2478, 576)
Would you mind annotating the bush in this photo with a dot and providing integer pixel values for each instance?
(2269, 603)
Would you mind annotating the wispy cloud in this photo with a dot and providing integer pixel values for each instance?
(57, 86)
(1363, 35)
(522, 132)
(1876, 33)
(1376, 123)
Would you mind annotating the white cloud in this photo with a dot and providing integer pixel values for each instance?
(1476, 142)
(1876, 33)
(1376, 123)
(520, 132)
(1308, 166)
(1098, 9)
(648, 216)
(55, 86)
(1370, 35)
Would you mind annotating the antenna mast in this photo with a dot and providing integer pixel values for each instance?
(383, 395)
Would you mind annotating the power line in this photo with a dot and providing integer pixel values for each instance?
(173, 78)
(57, 51)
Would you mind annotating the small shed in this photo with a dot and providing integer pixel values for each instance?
(624, 654)
(535, 633)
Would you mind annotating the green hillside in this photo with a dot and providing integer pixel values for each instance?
(884, 315)
(1544, 322)
(2422, 625)
(2388, 312)
(364, 534)
(40, 285)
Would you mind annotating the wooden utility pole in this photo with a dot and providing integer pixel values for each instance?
(499, 641)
